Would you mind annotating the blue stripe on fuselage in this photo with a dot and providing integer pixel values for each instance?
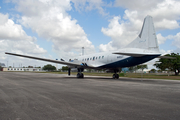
(130, 61)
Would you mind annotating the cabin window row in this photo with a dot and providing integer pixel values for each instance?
(94, 58)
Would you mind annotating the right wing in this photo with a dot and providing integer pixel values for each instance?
(78, 64)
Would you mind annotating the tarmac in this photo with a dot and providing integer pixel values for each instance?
(42, 96)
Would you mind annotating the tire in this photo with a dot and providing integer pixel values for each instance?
(78, 75)
(82, 75)
(117, 76)
(114, 76)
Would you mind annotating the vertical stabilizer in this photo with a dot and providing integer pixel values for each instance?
(147, 38)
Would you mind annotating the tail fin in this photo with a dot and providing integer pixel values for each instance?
(147, 38)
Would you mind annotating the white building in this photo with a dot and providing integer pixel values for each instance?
(22, 69)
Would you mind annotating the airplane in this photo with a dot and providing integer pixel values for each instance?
(144, 48)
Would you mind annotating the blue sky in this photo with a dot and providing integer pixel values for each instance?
(60, 28)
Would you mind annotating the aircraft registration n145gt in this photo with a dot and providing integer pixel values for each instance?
(144, 48)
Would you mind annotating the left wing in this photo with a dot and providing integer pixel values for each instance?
(74, 64)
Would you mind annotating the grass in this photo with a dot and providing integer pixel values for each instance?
(153, 76)
(130, 75)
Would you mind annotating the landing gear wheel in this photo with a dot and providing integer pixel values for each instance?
(80, 75)
(115, 76)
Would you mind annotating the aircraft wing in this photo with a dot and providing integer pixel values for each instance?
(79, 64)
(166, 57)
(135, 54)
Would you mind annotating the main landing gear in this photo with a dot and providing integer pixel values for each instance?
(80, 74)
(115, 75)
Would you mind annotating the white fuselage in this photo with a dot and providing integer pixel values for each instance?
(108, 58)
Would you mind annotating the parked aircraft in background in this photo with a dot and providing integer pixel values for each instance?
(144, 48)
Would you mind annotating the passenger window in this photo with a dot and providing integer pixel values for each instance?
(96, 58)
(99, 57)
(88, 59)
(93, 58)
(102, 57)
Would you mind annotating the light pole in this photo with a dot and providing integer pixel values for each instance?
(82, 50)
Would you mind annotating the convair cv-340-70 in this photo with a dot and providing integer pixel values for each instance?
(144, 48)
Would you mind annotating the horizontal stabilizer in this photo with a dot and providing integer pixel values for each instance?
(136, 54)
(166, 57)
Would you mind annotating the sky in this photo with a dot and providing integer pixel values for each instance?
(58, 29)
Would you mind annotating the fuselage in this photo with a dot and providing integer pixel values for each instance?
(108, 60)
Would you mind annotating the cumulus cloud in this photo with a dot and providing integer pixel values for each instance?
(138, 4)
(161, 39)
(119, 32)
(14, 39)
(55, 24)
(123, 30)
(175, 42)
(88, 5)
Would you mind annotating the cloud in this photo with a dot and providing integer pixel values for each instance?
(124, 29)
(55, 24)
(161, 39)
(138, 5)
(175, 43)
(88, 5)
(120, 33)
(11, 31)
(14, 39)
(164, 12)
